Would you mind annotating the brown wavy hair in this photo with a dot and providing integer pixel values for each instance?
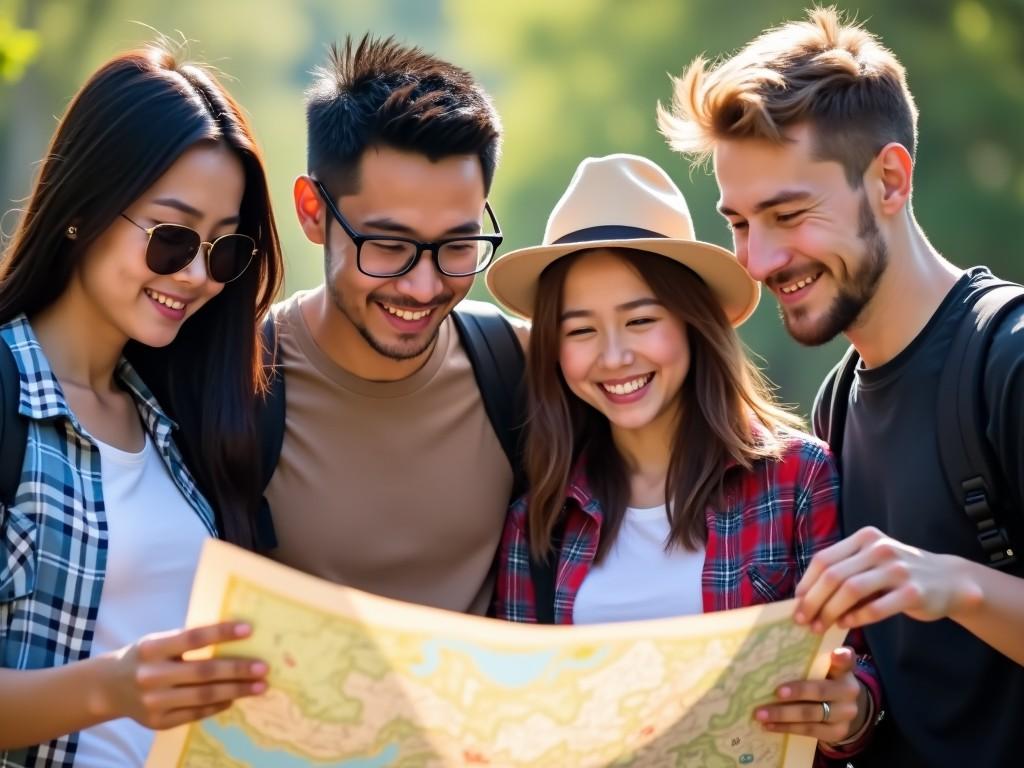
(834, 75)
(723, 400)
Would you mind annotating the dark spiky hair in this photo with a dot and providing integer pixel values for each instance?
(382, 93)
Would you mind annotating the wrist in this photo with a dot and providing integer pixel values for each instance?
(967, 596)
(101, 685)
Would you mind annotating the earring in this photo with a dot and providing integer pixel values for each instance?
(71, 232)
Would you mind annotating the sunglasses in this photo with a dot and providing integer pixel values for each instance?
(172, 247)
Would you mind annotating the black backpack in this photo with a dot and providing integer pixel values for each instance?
(498, 365)
(968, 463)
(13, 427)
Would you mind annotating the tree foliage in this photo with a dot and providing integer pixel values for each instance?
(571, 78)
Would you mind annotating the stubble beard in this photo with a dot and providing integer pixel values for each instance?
(391, 352)
(853, 295)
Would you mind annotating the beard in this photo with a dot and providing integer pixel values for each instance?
(414, 345)
(854, 294)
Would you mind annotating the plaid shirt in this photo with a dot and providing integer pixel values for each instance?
(53, 541)
(774, 519)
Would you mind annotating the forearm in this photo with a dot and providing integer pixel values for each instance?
(990, 606)
(38, 705)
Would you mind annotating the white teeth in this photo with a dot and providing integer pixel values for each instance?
(802, 283)
(629, 386)
(167, 301)
(406, 314)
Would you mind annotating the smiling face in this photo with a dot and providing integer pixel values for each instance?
(621, 351)
(202, 190)
(408, 195)
(803, 231)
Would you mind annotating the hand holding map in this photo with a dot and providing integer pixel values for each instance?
(358, 681)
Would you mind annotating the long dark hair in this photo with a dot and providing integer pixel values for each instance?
(124, 128)
(722, 399)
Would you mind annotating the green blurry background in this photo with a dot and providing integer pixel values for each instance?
(571, 78)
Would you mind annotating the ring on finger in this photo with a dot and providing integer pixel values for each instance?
(826, 711)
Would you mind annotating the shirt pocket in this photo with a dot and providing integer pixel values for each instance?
(771, 582)
(18, 552)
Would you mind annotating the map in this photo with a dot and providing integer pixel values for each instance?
(358, 681)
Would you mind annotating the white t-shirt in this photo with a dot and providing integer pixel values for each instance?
(638, 579)
(154, 540)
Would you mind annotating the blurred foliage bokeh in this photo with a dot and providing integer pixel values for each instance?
(571, 78)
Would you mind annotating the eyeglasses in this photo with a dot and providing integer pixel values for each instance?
(392, 256)
(172, 247)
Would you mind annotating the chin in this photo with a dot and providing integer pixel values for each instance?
(811, 332)
(631, 422)
(154, 337)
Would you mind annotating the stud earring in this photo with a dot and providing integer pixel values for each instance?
(71, 232)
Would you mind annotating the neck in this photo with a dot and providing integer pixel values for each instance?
(890, 322)
(647, 453)
(81, 345)
(341, 341)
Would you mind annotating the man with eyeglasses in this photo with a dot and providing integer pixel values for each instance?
(391, 477)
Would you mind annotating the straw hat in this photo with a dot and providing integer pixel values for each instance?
(623, 201)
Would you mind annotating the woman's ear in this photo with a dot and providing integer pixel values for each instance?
(309, 208)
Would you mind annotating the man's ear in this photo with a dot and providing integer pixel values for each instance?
(309, 208)
(893, 173)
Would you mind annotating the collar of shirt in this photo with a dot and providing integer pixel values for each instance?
(578, 488)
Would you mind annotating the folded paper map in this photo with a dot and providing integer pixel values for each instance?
(358, 681)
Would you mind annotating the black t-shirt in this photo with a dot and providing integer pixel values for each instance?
(951, 700)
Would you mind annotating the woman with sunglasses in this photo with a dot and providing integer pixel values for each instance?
(663, 478)
(143, 260)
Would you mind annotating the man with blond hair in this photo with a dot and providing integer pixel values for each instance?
(812, 131)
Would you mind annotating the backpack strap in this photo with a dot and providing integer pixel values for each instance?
(967, 459)
(544, 574)
(270, 416)
(13, 427)
(841, 379)
(499, 367)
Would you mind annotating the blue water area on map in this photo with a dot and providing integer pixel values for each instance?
(239, 746)
(511, 669)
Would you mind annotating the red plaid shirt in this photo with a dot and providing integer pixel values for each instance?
(775, 518)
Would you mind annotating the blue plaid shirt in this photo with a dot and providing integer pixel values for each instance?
(53, 541)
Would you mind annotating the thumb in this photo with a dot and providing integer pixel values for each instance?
(842, 662)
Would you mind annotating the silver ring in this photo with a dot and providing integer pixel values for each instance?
(826, 710)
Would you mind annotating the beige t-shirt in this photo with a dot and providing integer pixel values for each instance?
(398, 488)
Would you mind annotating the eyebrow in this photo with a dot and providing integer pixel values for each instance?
(178, 205)
(646, 301)
(394, 227)
(786, 196)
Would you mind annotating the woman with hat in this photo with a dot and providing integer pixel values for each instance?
(662, 476)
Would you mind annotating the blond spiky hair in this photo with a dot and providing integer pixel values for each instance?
(824, 71)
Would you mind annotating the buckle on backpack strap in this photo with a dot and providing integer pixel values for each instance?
(976, 504)
(996, 545)
(994, 540)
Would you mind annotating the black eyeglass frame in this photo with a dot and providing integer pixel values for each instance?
(359, 238)
(208, 251)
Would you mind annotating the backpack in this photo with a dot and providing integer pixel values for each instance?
(968, 463)
(13, 427)
(498, 366)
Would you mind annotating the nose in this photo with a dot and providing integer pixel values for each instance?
(422, 283)
(762, 253)
(196, 272)
(617, 352)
